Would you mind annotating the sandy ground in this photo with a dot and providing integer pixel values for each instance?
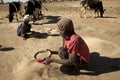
(101, 34)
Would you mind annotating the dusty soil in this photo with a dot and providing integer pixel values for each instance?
(101, 34)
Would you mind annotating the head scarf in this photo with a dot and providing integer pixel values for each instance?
(66, 27)
(27, 18)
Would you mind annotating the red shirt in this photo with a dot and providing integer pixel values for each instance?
(76, 45)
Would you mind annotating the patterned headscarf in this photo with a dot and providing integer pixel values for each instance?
(66, 27)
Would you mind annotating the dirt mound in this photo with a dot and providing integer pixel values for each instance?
(105, 48)
(30, 70)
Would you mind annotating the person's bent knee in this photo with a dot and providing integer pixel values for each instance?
(62, 54)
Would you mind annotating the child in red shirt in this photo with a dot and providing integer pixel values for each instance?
(74, 51)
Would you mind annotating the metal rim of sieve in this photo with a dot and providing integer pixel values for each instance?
(42, 51)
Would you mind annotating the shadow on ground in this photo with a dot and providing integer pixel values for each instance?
(41, 35)
(108, 17)
(97, 65)
(51, 20)
(101, 64)
(6, 48)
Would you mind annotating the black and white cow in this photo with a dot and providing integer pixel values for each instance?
(95, 5)
(34, 8)
(38, 8)
(14, 9)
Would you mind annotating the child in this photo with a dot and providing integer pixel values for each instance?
(74, 51)
(24, 27)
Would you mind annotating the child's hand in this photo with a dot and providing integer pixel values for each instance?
(63, 48)
(47, 60)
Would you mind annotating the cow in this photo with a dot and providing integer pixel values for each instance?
(14, 9)
(34, 8)
(95, 5)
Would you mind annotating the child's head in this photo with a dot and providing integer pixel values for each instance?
(27, 18)
(66, 27)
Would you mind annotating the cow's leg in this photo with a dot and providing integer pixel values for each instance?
(98, 13)
(93, 13)
(37, 14)
(19, 15)
(83, 11)
(16, 16)
(34, 16)
(41, 13)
